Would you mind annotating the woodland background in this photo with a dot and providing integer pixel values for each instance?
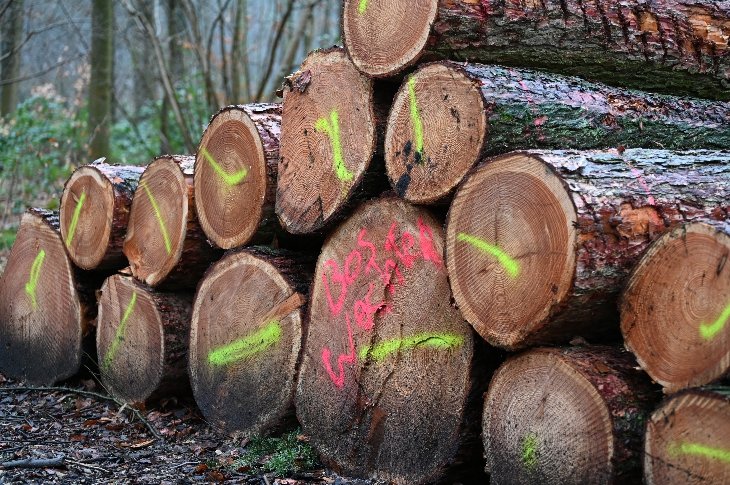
(132, 79)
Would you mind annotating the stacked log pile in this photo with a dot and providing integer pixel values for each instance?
(567, 219)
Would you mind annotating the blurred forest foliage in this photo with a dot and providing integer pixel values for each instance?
(132, 79)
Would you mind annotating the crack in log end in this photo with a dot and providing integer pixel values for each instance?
(439, 341)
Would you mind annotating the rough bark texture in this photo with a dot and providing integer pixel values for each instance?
(104, 193)
(464, 112)
(142, 340)
(46, 306)
(247, 331)
(687, 439)
(670, 46)
(573, 415)
(235, 175)
(675, 311)
(386, 375)
(177, 256)
(539, 243)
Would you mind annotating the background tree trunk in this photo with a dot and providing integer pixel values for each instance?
(101, 83)
(12, 30)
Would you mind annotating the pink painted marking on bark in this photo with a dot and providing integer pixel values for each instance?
(349, 358)
(640, 176)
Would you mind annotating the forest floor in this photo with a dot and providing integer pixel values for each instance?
(91, 438)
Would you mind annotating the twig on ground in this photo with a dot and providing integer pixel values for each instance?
(35, 463)
(180, 465)
(86, 465)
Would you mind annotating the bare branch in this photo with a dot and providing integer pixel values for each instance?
(39, 73)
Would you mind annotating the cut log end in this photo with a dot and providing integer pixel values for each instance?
(245, 342)
(383, 37)
(386, 370)
(87, 210)
(688, 439)
(41, 320)
(509, 247)
(158, 221)
(231, 178)
(435, 133)
(328, 139)
(131, 339)
(676, 307)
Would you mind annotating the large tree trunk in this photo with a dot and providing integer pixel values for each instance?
(539, 243)
(45, 305)
(676, 307)
(671, 46)
(101, 83)
(688, 439)
(246, 337)
(12, 32)
(235, 175)
(386, 375)
(176, 63)
(95, 208)
(331, 129)
(165, 245)
(142, 340)
(567, 416)
(446, 116)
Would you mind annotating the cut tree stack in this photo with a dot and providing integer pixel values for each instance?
(578, 214)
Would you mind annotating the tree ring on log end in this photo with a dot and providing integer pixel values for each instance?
(383, 37)
(245, 341)
(129, 340)
(158, 221)
(230, 178)
(688, 439)
(328, 139)
(545, 422)
(87, 208)
(675, 311)
(435, 133)
(510, 247)
(41, 321)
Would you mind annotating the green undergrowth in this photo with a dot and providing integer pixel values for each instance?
(7, 238)
(282, 455)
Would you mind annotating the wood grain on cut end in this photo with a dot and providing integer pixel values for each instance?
(675, 312)
(386, 369)
(235, 172)
(569, 416)
(435, 132)
(245, 341)
(688, 439)
(41, 317)
(328, 140)
(385, 36)
(509, 247)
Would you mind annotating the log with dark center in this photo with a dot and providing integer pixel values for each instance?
(45, 305)
(95, 208)
(539, 243)
(142, 340)
(235, 175)
(446, 116)
(165, 244)
(675, 311)
(688, 439)
(331, 127)
(385, 378)
(246, 337)
(671, 46)
(569, 416)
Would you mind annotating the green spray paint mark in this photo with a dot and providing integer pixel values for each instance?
(362, 6)
(35, 272)
(510, 265)
(697, 449)
(709, 332)
(247, 346)
(158, 215)
(75, 218)
(529, 451)
(230, 179)
(332, 129)
(416, 117)
(119, 336)
(433, 340)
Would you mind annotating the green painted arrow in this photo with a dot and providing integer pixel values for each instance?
(35, 273)
(332, 129)
(509, 264)
(529, 451)
(708, 332)
(362, 6)
(698, 449)
(119, 335)
(415, 115)
(158, 215)
(75, 218)
(245, 347)
(433, 340)
(230, 179)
